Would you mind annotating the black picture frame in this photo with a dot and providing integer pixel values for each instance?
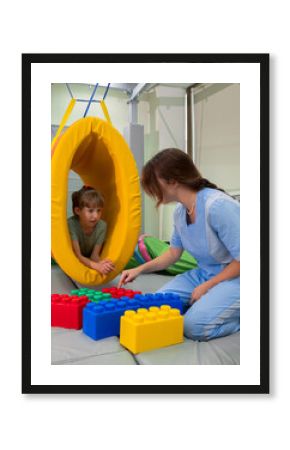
(263, 61)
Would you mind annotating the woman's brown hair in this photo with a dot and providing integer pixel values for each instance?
(172, 164)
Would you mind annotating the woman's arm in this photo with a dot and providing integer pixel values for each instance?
(224, 218)
(161, 262)
(232, 270)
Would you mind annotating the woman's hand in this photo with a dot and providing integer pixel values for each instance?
(104, 267)
(199, 291)
(128, 276)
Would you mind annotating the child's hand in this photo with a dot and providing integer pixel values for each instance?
(108, 265)
(104, 267)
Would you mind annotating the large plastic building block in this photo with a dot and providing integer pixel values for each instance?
(151, 329)
(103, 320)
(160, 299)
(118, 293)
(67, 311)
(93, 296)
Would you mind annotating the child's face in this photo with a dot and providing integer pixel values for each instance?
(89, 215)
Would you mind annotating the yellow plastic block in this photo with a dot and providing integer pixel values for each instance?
(151, 329)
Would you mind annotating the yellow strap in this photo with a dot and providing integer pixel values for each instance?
(64, 119)
(105, 111)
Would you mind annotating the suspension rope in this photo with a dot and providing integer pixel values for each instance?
(105, 111)
(91, 99)
(64, 119)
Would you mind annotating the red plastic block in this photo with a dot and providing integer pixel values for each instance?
(67, 310)
(118, 293)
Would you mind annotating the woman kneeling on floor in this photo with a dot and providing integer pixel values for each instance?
(207, 225)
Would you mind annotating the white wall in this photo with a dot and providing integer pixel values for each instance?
(217, 133)
(217, 139)
(162, 111)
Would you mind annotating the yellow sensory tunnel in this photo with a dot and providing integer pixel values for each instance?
(99, 154)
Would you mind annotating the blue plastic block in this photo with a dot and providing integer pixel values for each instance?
(103, 319)
(159, 299)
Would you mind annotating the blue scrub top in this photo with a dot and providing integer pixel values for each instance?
(214, 238)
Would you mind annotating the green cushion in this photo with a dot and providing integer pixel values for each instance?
(132, 263)
(156, 247)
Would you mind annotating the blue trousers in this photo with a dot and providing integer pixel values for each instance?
(215, 314)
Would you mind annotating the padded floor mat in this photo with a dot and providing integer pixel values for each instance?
(74, 347)
(222, 351)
